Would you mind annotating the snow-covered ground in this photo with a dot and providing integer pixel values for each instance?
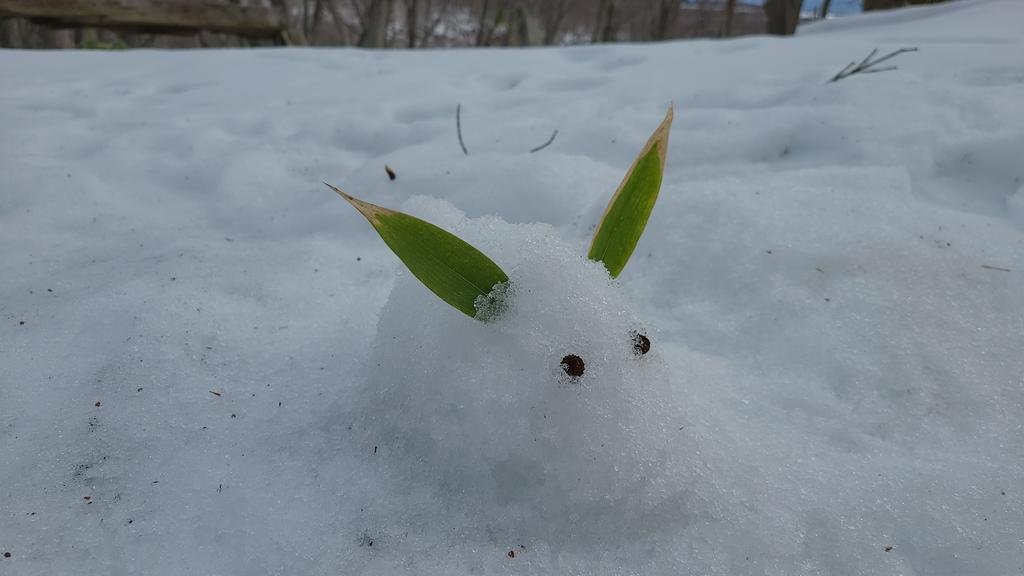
(192, 380)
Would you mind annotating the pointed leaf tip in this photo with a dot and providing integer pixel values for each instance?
(369, 211)
(451, 268)
(626, 216)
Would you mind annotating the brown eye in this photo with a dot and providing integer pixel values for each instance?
(641, 343)
(573, 365)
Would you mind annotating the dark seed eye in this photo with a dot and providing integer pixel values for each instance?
(641, 343)
(573, 365)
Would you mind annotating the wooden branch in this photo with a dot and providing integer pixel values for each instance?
(219, 15)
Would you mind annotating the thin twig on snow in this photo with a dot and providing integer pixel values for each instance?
(868, 66)
(462, 143)
(458, 127)
(546, 144)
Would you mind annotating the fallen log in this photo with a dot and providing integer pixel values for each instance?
(248, 18)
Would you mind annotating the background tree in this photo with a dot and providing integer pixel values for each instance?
(605, 25)
(412, 19)
(551, 14)
(663, 19)
(824, 9)
(730, 13)
(375, 16)
(782, 16)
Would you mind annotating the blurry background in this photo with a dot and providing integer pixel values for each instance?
(399, 23)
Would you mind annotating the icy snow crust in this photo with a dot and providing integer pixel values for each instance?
(832, 281)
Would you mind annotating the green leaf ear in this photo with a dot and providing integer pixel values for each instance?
(627, 213)
(457, 272)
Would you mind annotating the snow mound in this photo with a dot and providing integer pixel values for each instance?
(484, 413)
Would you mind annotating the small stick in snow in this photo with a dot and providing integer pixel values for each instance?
(868, 66)
(546, 144)
(458, 127)
(987, 267)
(462, 143)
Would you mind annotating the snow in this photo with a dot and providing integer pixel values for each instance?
(831, 281)
(508, 426)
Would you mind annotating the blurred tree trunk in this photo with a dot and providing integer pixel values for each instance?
(389, 16)
(824, 9)
(318, 17)
(552, 14)
(312, 13)
(500, 16)
(345, 33)
(375, 25)
(730, 11)
(411, 21)
(481, 30)
(305, 16)
(504, 14)
(518, 29)
(664, 17)
(782, 16)
(431, 20)
(604, 26)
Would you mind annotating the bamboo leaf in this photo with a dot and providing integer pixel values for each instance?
(457, 272)
(627, 213)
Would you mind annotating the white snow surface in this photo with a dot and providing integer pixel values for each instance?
(210, 364)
